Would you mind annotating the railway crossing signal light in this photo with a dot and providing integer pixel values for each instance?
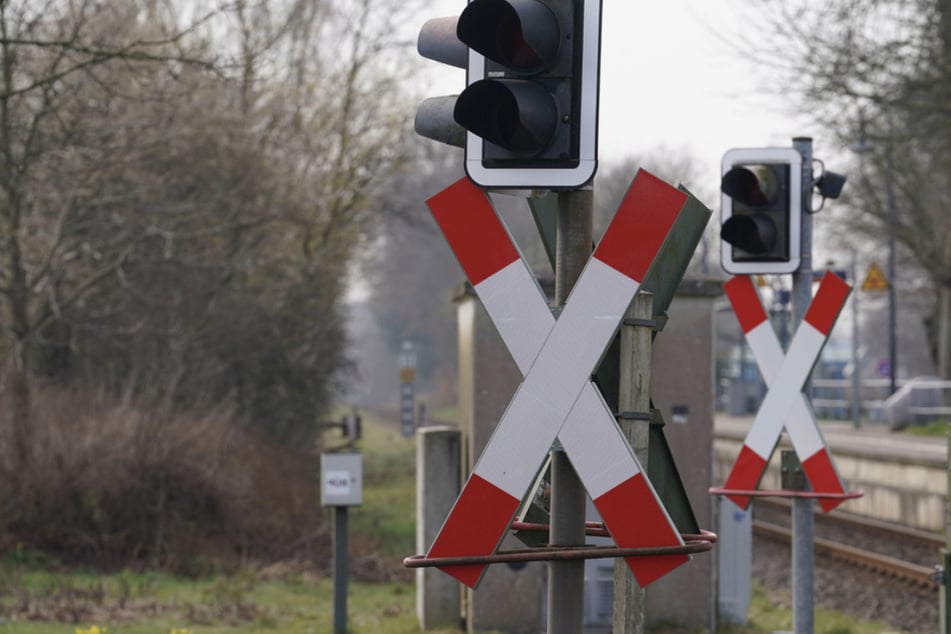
(761, 207)
(528, 115)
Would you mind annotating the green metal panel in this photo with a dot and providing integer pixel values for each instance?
(545, 212)
(674, 257)
(663, 474)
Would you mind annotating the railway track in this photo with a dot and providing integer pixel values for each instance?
(874, 546)
(913, 574)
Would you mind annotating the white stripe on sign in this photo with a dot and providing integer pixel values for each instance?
(763, 438)
(554, 381)
(801, 424)
(510, 297)
(614, 461)
(787, 383)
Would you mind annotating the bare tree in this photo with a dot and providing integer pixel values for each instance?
(878, 73)
(183, 210)
(53, 57)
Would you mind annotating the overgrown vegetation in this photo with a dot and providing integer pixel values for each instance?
(183, 189)
(42, 594)
(119, 484)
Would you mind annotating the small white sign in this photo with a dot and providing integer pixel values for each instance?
(341, 479)
(337, 483)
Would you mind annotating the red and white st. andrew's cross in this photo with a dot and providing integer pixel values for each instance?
(556, 359)
(785, 405)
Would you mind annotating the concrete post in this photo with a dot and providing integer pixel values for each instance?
(509, 598)
(438, 481)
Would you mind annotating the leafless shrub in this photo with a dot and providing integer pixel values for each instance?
(112, 483)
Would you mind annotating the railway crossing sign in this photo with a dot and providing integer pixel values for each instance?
(556, 359)
(785, 405)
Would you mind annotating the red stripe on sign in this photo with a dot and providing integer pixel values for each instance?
(746, 302)
(636, 519)
(823, 478)
(829, 299)
(474, 231)
(475, 526)
(745, 475)
(640, 225)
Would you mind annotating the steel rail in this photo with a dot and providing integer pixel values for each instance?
(869, 524)
(915, 574)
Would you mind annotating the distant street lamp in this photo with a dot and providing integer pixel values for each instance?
(862, 147)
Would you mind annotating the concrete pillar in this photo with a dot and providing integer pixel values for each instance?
(438, 457)
(509, 598)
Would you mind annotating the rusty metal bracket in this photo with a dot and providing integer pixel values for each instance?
(785, 493)
(556, 553)
(693, 544)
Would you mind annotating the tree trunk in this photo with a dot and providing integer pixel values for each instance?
(21, 411)
(18, 298)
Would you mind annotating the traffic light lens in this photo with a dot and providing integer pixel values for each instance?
(755, 233)
(514, 48)
(522, 35)
(741, 184)
(517, 115)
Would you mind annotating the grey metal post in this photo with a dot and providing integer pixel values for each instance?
(630, 600)
(944, 608)
(566, 578)
(890, 200)
(340, 570)
(856, 378)
(802, 521)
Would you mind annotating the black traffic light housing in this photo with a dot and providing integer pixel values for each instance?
(761, 207)
(529, 110)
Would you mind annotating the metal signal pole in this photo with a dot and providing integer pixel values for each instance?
(573, 238)
(802, 521)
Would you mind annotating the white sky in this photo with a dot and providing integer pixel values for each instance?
(669, 79)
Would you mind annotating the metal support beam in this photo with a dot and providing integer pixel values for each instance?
(802, 521)
(340, 570)
(566, 578)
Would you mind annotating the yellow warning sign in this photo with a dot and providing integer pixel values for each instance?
(875, 280)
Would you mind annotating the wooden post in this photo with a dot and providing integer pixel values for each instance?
(633, 399)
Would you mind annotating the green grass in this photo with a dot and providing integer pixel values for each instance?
(294, 602)
(934, 428)
(765, 616)
(387, 517)
(220, 605)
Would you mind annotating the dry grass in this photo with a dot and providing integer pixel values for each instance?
(111, 483)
